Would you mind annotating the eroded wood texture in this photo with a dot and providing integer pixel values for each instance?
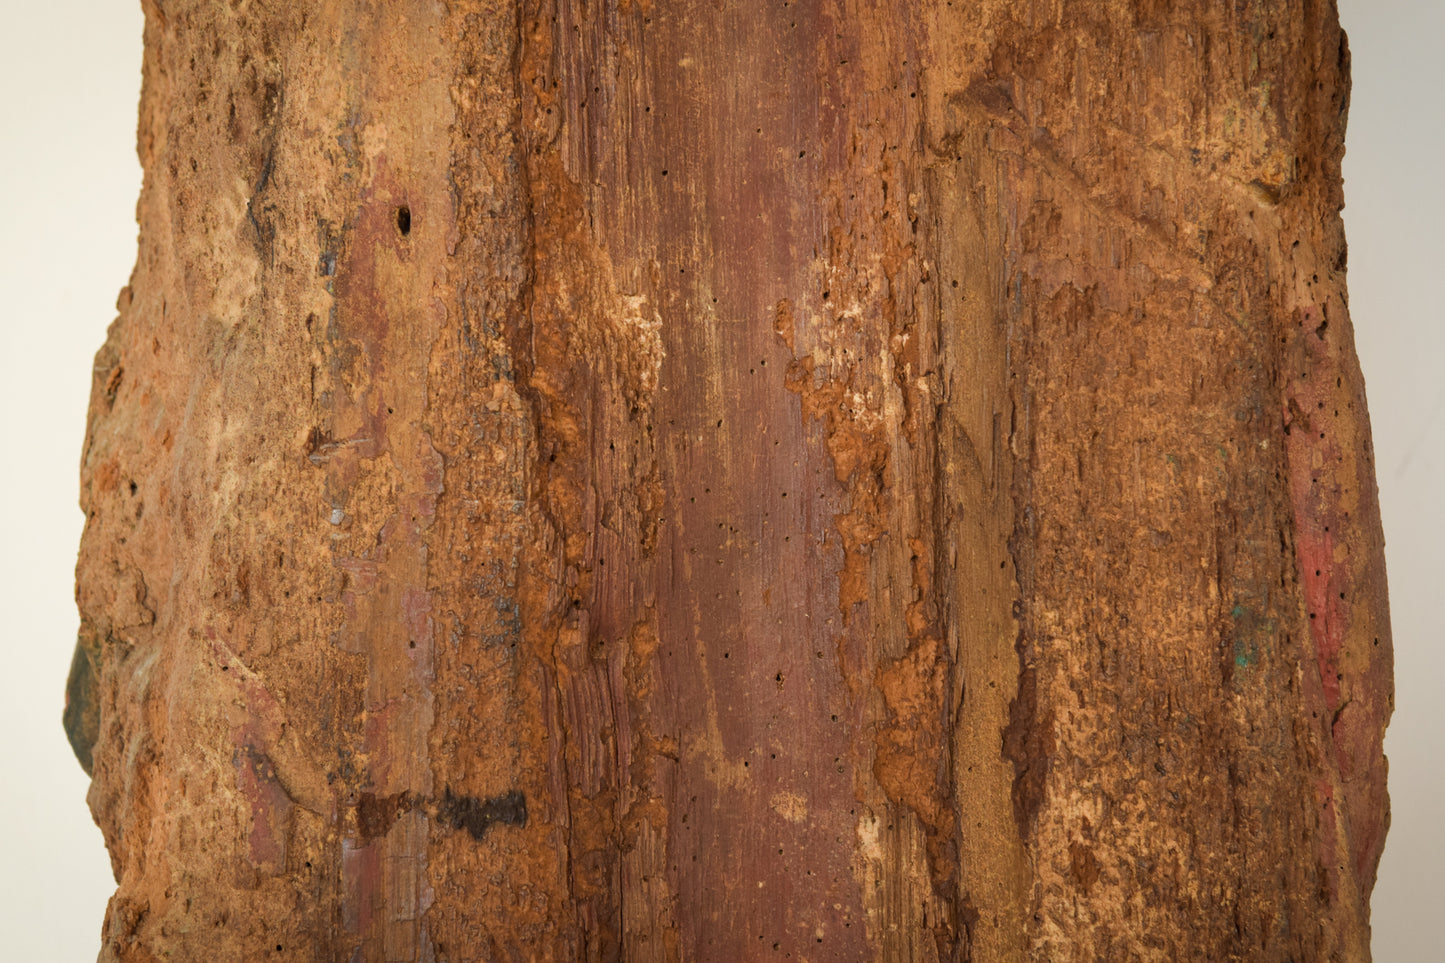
(729, 481)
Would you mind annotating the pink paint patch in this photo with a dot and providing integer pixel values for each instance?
(360, 873)
(1327, 622)
(364, 573)
(433, 468)
(379, 725)
(270, 809)
(1312, 450)
(416, 614)
(416, 611)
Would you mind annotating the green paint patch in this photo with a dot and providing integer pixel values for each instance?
(81, 717)
(1253, 635)
(1245, 655)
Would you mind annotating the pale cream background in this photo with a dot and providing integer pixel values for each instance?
(68, 184)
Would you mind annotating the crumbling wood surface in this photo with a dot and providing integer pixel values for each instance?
(731, 481)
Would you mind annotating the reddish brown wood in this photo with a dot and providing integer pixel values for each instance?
(718, 481)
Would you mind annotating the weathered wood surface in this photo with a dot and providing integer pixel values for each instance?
(725, 481)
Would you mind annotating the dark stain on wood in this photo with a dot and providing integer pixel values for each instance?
(476, 816)
(375, 815)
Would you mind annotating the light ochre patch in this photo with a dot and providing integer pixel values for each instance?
(790, 805)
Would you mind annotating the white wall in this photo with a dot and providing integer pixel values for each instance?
(69, 180)
(1394, 218)
(67, 241)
